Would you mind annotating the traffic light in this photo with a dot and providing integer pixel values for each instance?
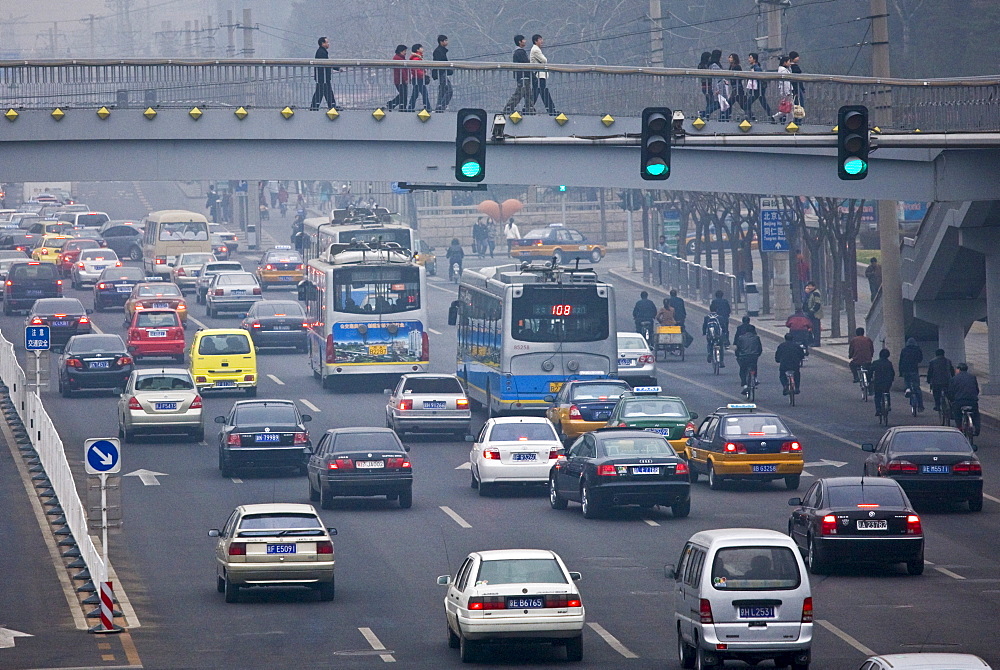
(853, 143)
(470, 145)
(655, 147)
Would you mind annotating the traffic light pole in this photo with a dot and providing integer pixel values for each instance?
(631, 240)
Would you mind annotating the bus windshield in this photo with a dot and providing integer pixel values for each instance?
(376, 290)
(400, 236)
(560, 314)
(183, 230)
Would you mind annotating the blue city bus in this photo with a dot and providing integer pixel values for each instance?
(523, 332)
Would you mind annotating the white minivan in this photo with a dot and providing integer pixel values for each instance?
(742, 593)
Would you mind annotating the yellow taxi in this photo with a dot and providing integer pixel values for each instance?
(280, 266)
(156, 295)
(223, 359)
(425, 257)
(48, 248)
(565, 244)
(581, 406)
(737, 442)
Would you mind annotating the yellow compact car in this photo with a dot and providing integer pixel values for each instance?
(156, 295)
(224, 359)
(48, 248)
(583, 406)
(425, 256)
(736, 442)
(280, 266)
(565, 244)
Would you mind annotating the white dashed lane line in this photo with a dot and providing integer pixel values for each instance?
(276, 380)
(377, 645)
(612, 640)
(650, 522)
(464, 466)
(845, 637)
(455, 517)
(944, 571)
(989, 497)
(310, 405)
(237, 480)
(436, 332)
(196, 322)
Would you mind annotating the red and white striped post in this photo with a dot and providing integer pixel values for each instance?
(107, 624)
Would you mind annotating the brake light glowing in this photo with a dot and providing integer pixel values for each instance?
(807, 609)
(268, 267)
(233, 439)
(682, 469)
(133, 403)
(301, 438)
(705, 609)
(488, 603)
(255, 324)
(101, 286)
(238, 549)
(160, 260)
(405, 404)
(735, 448)
(791, 448)
(491, 454)
(913, 526)
(574, 413)
(196, 403)
(397, 463)
(84, 319)
(80, 265)
(967, 468)
(607, 470)
(73, 363)
(553, 453)
(36, 321)
(324, 547)
(568, 600)
(867, 506)
(462, 403)
(124, 360)
(828, 526)
(897, 465)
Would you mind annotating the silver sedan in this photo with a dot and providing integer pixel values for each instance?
(427, 402)
(160, 400)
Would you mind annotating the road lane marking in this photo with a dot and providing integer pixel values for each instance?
(236, 480)
(946, 571)
(650, 522)
(845, 637)
(465, 466)
(275, 380)
(441, 288)
(612, 640)
(310, 405)
(455, 517)
(436, 332)
(196, 322)
(376, 644)
(989, 497)
(94, 327)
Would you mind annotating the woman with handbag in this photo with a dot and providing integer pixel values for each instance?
(784, 92)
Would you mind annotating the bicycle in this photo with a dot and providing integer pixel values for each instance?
(864, 383)
(751, 390)
(968, 426)
(944, 410)
(913, 402)
(646, 330)
(716, 357)
(792, 390)
(882, 407)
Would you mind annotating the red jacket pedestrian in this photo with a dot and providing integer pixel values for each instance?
(400, 75)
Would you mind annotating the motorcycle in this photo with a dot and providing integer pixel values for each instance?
(456, 272)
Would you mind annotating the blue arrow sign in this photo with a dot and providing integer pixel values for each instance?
(37, 338)
(102, 456)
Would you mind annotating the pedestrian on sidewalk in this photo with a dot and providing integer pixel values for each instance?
(939, 374)
(756, 88)
(443, 77)
(512, 233)
(813, 308)
(540, 82)
(479, 233)
(491, 236)
(523, 79)
(861, 351)
(873, 273)
(419, 79)
(909, 369)
(282, 200)
(323, 75)
(400, 79)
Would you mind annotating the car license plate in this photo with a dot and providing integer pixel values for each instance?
(935, 469)
(434, 404)
(525, 603)
(164, 406)
(225, 383)
(757, 612)
(281, 548)
(161, 305)
(156, 333)
(873, 524)
(99, 365)
(378, 349)
(554, 387)
(267, 437)
(525, 457)
(764, 468)
(287, 278)
(282, 327)
(33, 291)
(661, 431)
(60, 324)
(626, 362)
(369, 465)
(124, 289)
(601, 416)
(645, 470)
(238, 291)
(99, 267)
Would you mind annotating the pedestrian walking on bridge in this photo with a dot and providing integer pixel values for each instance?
(523, 79)
(323, 76)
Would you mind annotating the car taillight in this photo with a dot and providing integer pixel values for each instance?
(828, 526)
(682, 469)
(689, 430)
(567, 600)
(462, 403)
(305, 324)
(118, 264)
(607, 470)
(341, 464)
(331, 350)
(256, 291)
(574, 413)
(897, 465)
(196, 403)
(238, 549)
(913, 526)
(160, 260)
(233, 439)
(36, 321)
(101, 286)
(791, 448)
(488, 603)
(425, 347)
(324, 547)
(398, 463)
(200, 380)
(553, 454)
(248, 378)
(491, 454)
(299, 266)
(705, 609)
(133, 403)
(967, 468)
(73, 363)
(124, 360)
(405, 404)
(268, 267)
(59, 282)
(219, 291)
(80, 265)
(180, 272)
(735, 448)
(645, 359)
(807, 610)
(84, 319)
(301, 438)
(181, 307)
(8, 283)
(255, 324)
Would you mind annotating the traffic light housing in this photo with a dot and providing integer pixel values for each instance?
(470, 145)
(655, 144)
(853, 142)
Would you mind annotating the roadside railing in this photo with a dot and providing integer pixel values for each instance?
(693, 281)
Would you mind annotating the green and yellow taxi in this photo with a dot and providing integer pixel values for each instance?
(646, 409)
(280, 266)
(737, 442)
(556, 241)
(581, 406)
(48, 248)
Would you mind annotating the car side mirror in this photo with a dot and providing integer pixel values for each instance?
(306, 418)
(868, 446)
(444, 580)
(549, 398)
(975, 447)
(386, 391)
(694, 415)
(669, 571)
(406, 448)
(214, 533)
(470, 438)
(331, 531)
(575, 576)
(220, 419)
(794, 502)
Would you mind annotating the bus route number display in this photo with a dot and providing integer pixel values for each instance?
(560, 310)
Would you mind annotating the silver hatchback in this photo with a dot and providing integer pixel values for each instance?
(428, 402)
(232, 291)
(160, 400)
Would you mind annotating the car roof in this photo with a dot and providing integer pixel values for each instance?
(614, 431)
(263, 401)
(518, 419)
(146, 372)
(356, 429)
(627, 333)
(430, 375)
(931, 661)
(515, 554)
(923, 429)
(51, 303)
(582, 382)
(733, 537)
(220, 331)
(277, 508)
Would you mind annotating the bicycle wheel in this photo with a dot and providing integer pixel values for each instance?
(716, 363)
(913, 404)
(752, 384)
(864, 388)
(968, 427)
(791, 390)
(944, 412)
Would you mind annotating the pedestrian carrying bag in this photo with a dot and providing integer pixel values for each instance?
(799, 112)
(785, 106)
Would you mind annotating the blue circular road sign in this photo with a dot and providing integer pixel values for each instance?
(103, 456)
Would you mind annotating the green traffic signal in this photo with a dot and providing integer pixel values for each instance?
(656, 168)
(855, 166)
(853, 142)
(654, 144)
(470, 145)
(471, 169)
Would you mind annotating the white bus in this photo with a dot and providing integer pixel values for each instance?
(344, 226)
(169, 233)
(366, 306)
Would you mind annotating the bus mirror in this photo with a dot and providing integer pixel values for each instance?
(453, 313)
(306, 291)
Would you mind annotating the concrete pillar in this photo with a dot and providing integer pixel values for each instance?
(953, 319)
(986, 240)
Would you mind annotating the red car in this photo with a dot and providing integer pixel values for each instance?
(71, 253)
(156, 332)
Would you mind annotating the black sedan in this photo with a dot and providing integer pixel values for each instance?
(930, 462)
(263, 433)
(620, 466)
(114, 287)
(360, 461)
(857, 519)
(277, 323)
(65, 318)
(94, 361)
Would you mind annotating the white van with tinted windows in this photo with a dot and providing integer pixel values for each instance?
(169, 233)
(742, 593)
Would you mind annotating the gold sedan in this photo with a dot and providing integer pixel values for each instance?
(582, 406)
(156, 295)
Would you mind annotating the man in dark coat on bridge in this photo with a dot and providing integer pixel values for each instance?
(322, 75)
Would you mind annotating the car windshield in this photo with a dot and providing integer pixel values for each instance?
(156, 319)
(433, 385)
(755, 569)
(278, 309)
(195, 259)
(160, 290)
(521, 432)
(95, 344)
(183, 230)
(266, 414)
(381, 441)
(635, 409)
(754, 425)
(857, 494)
(627, 342)
(945, 441)
(636, 446)
(215, 345)
(127, 273)
(162, 382)
(285, 523)
(235, 280)
(597, 391)
(520, 571)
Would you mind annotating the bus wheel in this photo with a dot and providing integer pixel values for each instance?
(489, 403)
(329, 382)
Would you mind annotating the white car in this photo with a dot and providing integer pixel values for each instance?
(636, 361)
(928, 661)
(513, 595)
(91, 263)
(160, 400)
(430, 402)
(209, 270)
(232, 291)
(513, 450)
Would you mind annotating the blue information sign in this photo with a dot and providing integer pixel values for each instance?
(102, 456)
(37, 338)
(772, 229)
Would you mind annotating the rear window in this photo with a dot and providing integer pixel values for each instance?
(644, 408)
(846, 496)
(235, 279)
(366, 442)
(520, 571)
(755, 569)
(263, 524)
(165, 290)
(52, 243)
(433, 385)
(92, 220)
(753, 425)
(266, 414)
(598, 391)
(224, 267)
(156, 320)
(195, 259)
(514, 432)
(636, 446)
(96, 344)
(29, 272)
(283, 258)
(279, 309)
(931, 442)
(98, 255)
(632, 343)
(164, 383)
(127, 272)
(215, 345)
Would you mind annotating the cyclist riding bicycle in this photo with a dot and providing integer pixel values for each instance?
(800, 328)
(789, 358)
(721, 306)
(712, 329)
(963, 391)
(939, 374)
(883, 374)
(644, 313)
(909, 370)
(455, 255)
(861, 350)
(748, 350)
